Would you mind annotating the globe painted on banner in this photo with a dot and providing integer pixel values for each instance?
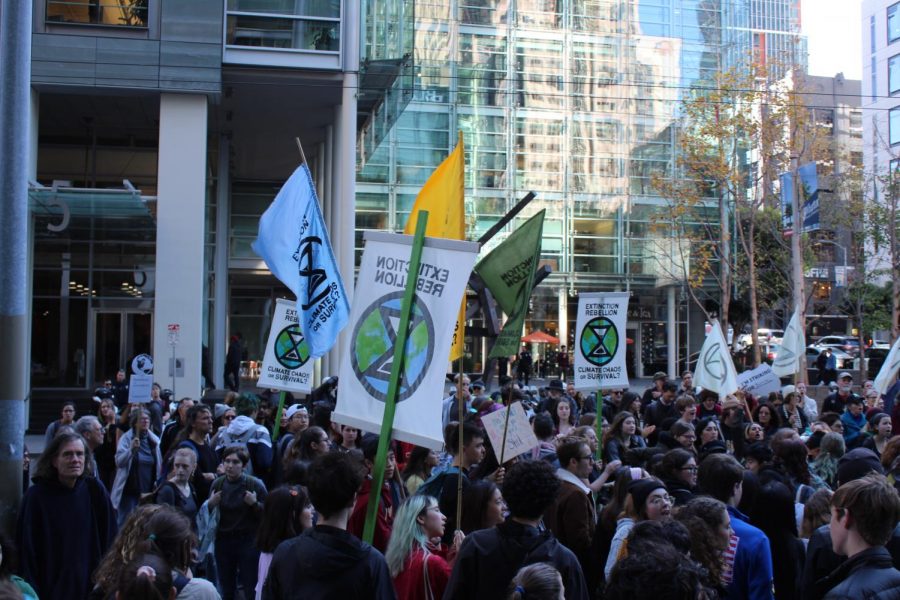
(291, 349)
(599, 341)
(372, 346)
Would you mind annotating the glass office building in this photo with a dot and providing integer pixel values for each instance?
(576, 101)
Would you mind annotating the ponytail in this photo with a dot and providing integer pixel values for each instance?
(147, 578)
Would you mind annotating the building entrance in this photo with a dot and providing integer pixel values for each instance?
(117, 337)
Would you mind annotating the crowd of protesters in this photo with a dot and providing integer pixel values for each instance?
(683, 494)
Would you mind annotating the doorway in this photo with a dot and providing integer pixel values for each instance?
(119, 336)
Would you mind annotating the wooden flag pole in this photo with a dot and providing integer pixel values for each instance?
(278, 417)
(462, 415)
(505, 424)
(598, 424)
(390, 402)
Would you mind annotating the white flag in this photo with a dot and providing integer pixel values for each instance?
(600, 341)
(375, 318)
(715, 370)
(888, 369)
(793, 345)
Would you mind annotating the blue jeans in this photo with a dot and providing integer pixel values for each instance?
(237, 560)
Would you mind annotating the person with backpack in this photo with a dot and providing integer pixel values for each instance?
(246, 432)
(195, 437)
(169, 536)
(239, 498)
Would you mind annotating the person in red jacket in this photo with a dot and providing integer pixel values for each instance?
(392, 493)
(420, 565)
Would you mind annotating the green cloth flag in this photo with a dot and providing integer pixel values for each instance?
(508, 272)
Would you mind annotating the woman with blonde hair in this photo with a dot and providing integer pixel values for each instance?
(419, 567)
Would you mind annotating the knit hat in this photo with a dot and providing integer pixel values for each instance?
(856, 464)
(641, 489)
(220, 410)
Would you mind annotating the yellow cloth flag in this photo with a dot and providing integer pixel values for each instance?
(443, 196)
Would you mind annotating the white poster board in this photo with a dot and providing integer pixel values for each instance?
(139, 388)
(374, 319)
(520, 436)
(286, 363)
(760, 381)
(600, 341)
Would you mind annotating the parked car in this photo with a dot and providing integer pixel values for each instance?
(875, 358)
(847, 343)
(764, 334)
(769, 352)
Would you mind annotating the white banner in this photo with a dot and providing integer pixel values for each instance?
(759, 381)
(889, 369)
(374, 319)
(600, 341)
(286, 362)
(793, 346)
(715, 369)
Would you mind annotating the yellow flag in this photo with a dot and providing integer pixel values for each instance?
(443, 197)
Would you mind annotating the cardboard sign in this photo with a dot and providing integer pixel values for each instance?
(600, 341)
(139, 388)
(287, 363)
(760, 381)
(520, 436)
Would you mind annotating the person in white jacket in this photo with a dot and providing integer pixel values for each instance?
(138, 464)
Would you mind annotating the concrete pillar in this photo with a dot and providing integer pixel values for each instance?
(179, 240)
(562, 297)
(15, 107)
(672, 332)
(223, 233)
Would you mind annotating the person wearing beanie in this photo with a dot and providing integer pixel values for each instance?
(821, 560)
(749, 558)
(647, 500)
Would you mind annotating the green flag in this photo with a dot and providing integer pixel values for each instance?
(508, 271)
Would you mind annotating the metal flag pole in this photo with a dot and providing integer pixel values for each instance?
(462, 415)
(390, 402)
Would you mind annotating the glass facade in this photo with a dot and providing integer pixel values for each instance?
(575, 100)
(118, 13)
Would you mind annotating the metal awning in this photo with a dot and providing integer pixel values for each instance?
(92, 211)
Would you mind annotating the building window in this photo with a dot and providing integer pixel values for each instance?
(316, 25)
(893, 22)
(894, 125)
(119, 13)
(894, 74)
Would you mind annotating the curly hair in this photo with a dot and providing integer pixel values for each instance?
(125, 548)
(774, 418)
(659, 572)
(791, 458)
(704, 517)
(890, 453)
(529, 488)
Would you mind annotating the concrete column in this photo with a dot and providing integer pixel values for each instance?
(179, 240)
(15, 107)
(672, 332)
(562, 297)
(223, 233)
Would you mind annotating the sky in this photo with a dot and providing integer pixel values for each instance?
(833, 30)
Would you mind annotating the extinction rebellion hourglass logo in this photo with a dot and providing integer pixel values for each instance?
(372, 354)
(599, 341)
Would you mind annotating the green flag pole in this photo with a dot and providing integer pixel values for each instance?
(390, 402)
(598, 424)
(278, 417)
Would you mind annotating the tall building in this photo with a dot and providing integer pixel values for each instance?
(881, 106)
(577, 101)
(160, 132)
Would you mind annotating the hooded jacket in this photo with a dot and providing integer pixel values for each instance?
(326, 562)
(490, 558)
(245, 432)
(124, 459)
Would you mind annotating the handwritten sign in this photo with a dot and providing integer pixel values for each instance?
(759, 381)
(520, 437)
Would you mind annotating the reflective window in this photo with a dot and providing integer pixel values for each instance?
(894, 74)
(893, 22)
(894, 125)
(312, 25)
(121, 13)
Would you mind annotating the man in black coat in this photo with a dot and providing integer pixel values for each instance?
(864, 512)
(327, 561)
(490, 558)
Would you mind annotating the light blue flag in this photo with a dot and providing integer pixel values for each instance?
(294, 243)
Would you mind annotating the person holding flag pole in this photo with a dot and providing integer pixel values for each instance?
(293, 241)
